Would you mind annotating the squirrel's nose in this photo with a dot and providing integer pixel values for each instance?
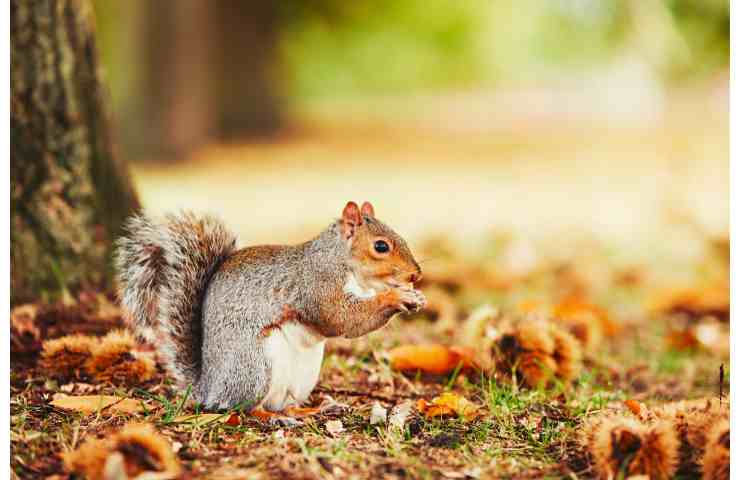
(415, 277)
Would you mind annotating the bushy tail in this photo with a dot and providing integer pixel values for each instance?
(163, 271)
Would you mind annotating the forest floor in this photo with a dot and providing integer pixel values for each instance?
(639, 342)
(629, 264)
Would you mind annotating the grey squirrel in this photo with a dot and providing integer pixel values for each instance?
(247, 327)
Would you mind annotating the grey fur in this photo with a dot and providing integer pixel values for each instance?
(205, 305)
(241, 301)
(163, 272)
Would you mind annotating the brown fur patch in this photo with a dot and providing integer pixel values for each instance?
(288, 315)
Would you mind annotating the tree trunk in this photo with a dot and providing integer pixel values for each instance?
(208, 73)
(172, 104)
(69, 192)
(247, 93)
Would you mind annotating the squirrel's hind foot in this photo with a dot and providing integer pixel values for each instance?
(279, 419)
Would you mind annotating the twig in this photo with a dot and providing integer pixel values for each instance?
(721, 380)
(355, 393)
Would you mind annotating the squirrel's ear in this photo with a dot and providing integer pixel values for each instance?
(351, 219)
(367, 209)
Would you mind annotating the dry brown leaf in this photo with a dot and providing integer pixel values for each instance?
(234, 420)
(433, 359)
(202, 418)
(300, 412)
(637, 408)
(449, 404)
(89, 404)
(681, 340)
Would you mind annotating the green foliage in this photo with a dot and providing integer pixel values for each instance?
(383, 46)
(705, 27)
(401, 47)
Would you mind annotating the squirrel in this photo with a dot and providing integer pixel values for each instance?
(247, 327)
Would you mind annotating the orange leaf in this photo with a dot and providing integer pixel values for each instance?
(682, 340)
(88, 404)
(574, 307)
(434, 359)
(449, 404)
(530, 306)
(695, 302)
(234, 420)
(634, 406)
(301, 411)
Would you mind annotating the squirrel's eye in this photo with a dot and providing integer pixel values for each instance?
(381, 246)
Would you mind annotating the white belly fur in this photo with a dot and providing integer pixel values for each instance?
(295, 354)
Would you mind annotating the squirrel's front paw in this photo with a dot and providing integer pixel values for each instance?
(411, 300)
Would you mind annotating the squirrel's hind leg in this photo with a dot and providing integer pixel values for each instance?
(238, 376)
(275, 418)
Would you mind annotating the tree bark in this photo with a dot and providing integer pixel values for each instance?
(247, 89)
(69, 192)
(208, 73)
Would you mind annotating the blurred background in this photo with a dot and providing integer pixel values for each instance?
(548, 120)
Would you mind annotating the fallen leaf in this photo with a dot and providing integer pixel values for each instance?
(201, 419)
(447, 474)
(234, 420)
(89, 404)
(449, 404)
(681, 339)
(333, 427)
(377, 414)
(300, 412)
(637, 408)
(433, 359)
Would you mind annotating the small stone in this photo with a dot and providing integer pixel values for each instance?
(399, 414)
(334, 427)
(329, 406)
(378, 414)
